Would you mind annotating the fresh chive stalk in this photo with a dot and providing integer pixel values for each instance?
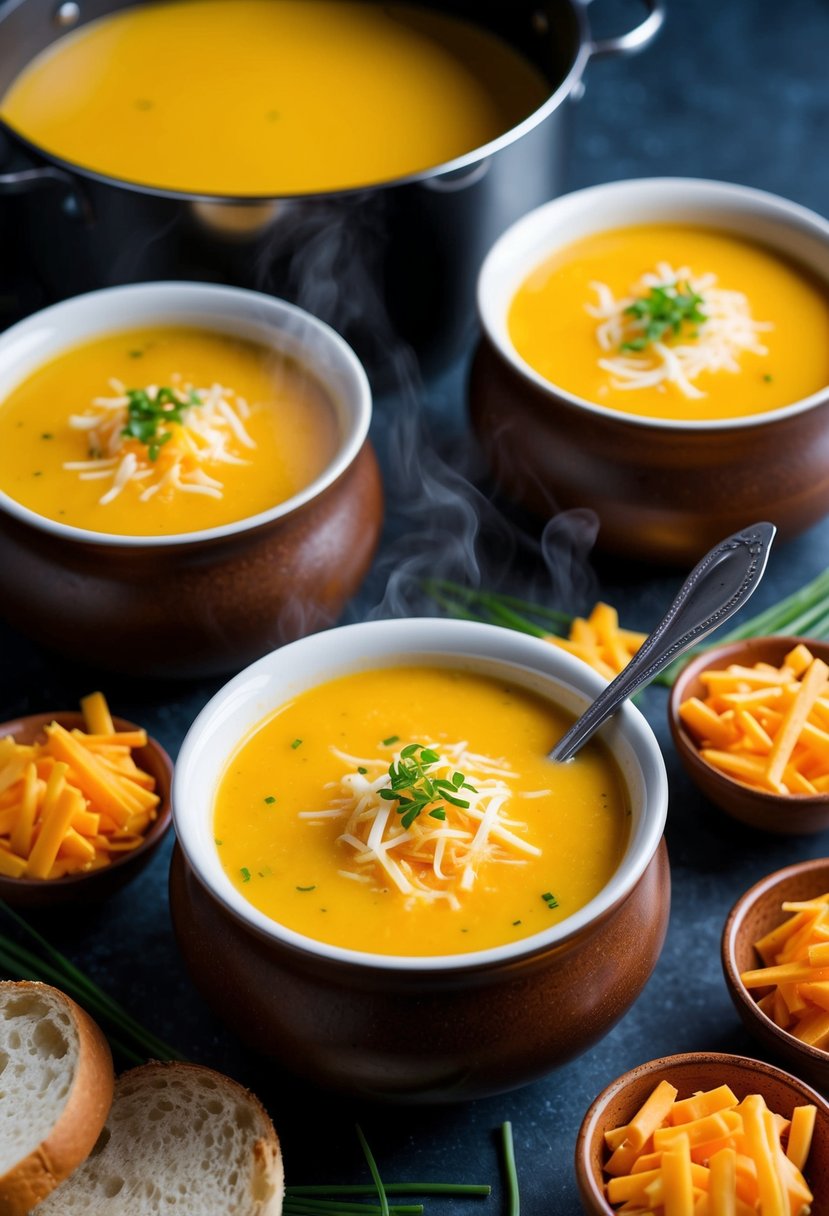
(327, 1207)
(375, 1173)
(57, 969)
(508, 1147)
(391, 1188)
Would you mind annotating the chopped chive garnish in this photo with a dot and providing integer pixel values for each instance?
(216, 840)
(768, 378)
(296, 743)
(663, 312)
(269, 799)
(550, 899)
(245, 872)
(516, 922)
(362, 770)
(147, 413)
(307, 888)
(513, 1197)
(391, 739)
(47, 435)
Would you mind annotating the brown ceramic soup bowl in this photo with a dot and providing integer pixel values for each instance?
(664, 490)
(195, 603)
(401, 1028)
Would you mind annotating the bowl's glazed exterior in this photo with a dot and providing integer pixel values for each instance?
(204, 602)
(422, 1037)
(756, 913)
(780, 814)
(417, 1029)
(663, 490)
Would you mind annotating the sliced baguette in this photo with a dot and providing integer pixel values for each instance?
(56, 1085)
(180, 1140)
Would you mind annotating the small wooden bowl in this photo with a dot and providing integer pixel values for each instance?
(94, 885)
(782, 814)
(690, 1072)
(754, 914)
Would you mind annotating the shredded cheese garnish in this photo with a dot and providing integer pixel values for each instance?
(716, 344)
(431, 858)
(182, 429)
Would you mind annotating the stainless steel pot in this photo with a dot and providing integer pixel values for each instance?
(389, 262)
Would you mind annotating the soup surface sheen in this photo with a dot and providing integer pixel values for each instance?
(763, 342)
(269, 97)
(290, 423)
(286, 800)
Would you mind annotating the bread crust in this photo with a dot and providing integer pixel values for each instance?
(266, 1150)
(73, 1136)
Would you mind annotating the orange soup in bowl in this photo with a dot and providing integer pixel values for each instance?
(270, 97)
(413, 811)
(154, 432)
(674, 322)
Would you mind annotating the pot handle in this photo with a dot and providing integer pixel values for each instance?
(21, 181)
(634, 40)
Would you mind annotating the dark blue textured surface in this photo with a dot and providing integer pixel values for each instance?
(734, 90)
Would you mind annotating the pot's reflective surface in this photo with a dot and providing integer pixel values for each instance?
(394, 261)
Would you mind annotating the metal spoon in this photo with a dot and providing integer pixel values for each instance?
(717, 586)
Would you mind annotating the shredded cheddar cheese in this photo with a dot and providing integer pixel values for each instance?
(600, 642)
(766, 726)
(74, 801)
(168, 446)
(709, 1155)
(716, 343)
(429, 858)
(795, 974)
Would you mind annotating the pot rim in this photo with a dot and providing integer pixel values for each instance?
(228, 310)
(251, 696)
(678, 194)
(582, 51)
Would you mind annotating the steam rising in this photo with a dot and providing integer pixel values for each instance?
(443, 520)
(444, 523)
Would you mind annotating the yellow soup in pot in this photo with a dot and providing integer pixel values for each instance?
(162, 431)
(270, 97)
(412, 810)
(674, 321)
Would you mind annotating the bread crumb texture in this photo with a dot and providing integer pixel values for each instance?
(179, 1139)
(39, 1049)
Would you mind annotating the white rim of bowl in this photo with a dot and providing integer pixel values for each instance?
(548, 669)
(244, 312)
(681, 194)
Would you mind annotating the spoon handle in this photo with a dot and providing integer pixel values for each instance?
(717, 586)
